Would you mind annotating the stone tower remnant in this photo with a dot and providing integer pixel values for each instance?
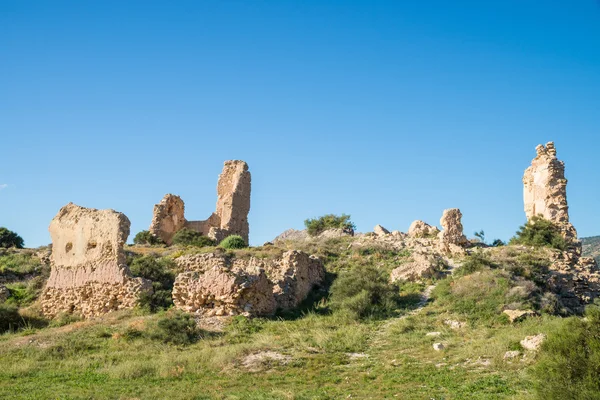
(545, 190)
(89, 275)
(230, 217)
(451, 238)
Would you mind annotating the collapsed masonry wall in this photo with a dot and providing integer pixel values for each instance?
(89, 275)
(230, 217)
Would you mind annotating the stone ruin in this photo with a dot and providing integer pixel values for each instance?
(218, 285)
(576, 279)
(545, 190)
(89, 275)
(230, 217)
(451, 238)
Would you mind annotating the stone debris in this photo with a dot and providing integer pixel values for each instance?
(433, 334)
(230, 217)
(380, 230)
(264, 360)
(451, 238)
(422, 265)
(518, 315)
(545, 190)
(438, 346)
(420, 229)
(509, 355)
(533, 343)
(218, 285)
(89, 275)
(455, 324)
(292, 235)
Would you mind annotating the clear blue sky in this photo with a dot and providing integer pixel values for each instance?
(389, 111)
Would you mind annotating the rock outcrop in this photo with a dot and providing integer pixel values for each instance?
(216, 285)
(89, 275)
(230, 217)
(545, 190)
(451, 238)
(420, 229)
(422, 265)
(380, 230)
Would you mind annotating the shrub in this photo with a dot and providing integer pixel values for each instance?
(159, 271)
(364, 292)
(146, 238)
(569, 363)
(10, 320)
(10, 239)
(233, 242)
(176, 327)
(188, 237)
(474, 263)
(330, 221)
(540, 232)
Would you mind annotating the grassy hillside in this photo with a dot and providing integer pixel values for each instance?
(591, 247)
(314, 354)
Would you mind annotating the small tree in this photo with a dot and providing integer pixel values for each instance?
(188, 237)
(160, 272)
(146, 238)
(10, 239)
(540, 232)
(316, 226)
(480, 235)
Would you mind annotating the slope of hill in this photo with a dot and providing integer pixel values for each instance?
(591, 247)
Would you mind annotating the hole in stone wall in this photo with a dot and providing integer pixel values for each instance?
(68, 247)
(92, 244)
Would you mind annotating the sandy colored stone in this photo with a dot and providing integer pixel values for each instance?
(533, 343)
(230, 217)
(380, 230)
(292, 235)
(216, 284)
(89, 275)
(4, 293)
(422, 265)
(545, 190)
(451, 238)
(518, 315)
(168, 218)
(420, 229)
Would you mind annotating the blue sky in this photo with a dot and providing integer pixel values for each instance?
(389, 111)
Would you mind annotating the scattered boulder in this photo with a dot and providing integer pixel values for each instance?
(260, 361)
(438, 346)
(455, 324)
(380, 230)
(89, 275)
(533, 343)
(216, 284)
(423, 265)
(451, 238)
(292, 235)
(518, 315)
(433, 334)
(230, 217)
(420, 229)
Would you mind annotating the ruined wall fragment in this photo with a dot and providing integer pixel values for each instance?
(451, 238)
(545, 190)
(89, 275)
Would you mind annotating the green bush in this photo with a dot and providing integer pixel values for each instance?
(233, 242)
(175, 327)
(10, 239)
(540, 232)
(160, 272)
(569, 362)
(188, 237)
(364, 292)
(474, 263)
(316, 226)
(146, 238)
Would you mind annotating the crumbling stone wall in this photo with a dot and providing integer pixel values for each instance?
(215, 284)
(89, 275)
(230, 217)
(545, 190)
(451, 238)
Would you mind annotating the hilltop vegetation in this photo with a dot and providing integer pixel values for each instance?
(591, 247)
(361, 337)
